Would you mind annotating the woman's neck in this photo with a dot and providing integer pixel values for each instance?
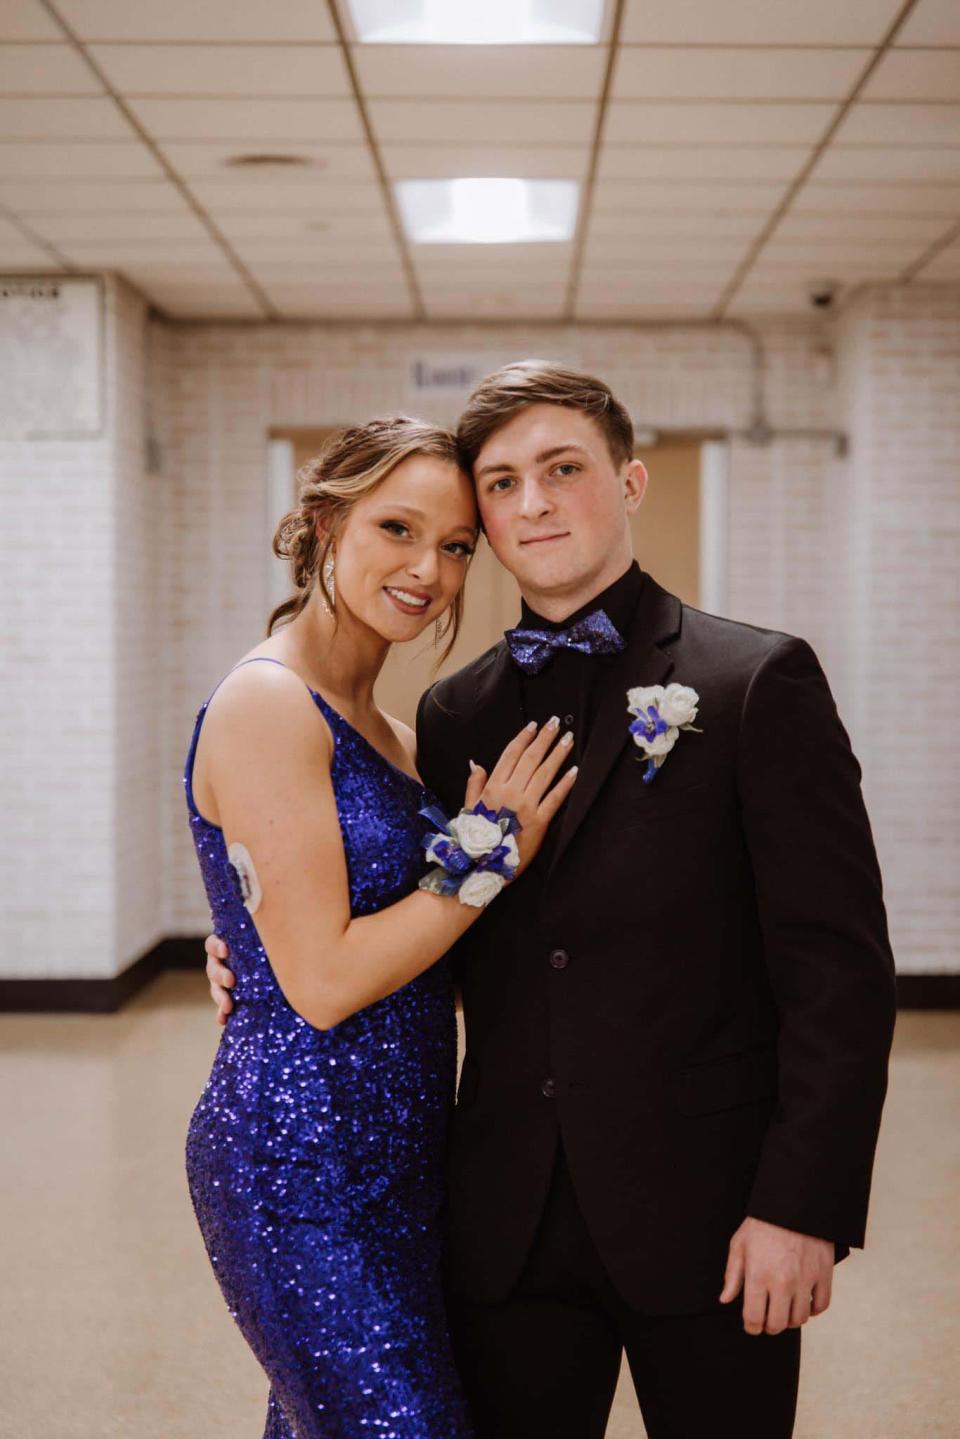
(341, 657)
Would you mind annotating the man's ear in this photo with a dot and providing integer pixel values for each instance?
(634, 484)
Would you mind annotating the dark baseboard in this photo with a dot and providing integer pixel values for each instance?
(99, 996)
(928, 991)
(106, 996)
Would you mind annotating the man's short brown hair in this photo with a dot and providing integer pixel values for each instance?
(506, 392)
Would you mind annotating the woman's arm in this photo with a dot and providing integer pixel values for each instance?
(266, 753)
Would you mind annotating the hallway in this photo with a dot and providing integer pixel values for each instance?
(117, 1327)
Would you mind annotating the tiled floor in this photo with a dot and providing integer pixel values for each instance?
(111, 1323)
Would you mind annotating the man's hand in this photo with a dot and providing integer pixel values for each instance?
(786, 1277)
(221, 978)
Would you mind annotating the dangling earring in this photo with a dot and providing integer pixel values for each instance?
(329, 586)
(437, 633)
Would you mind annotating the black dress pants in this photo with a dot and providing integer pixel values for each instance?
(543, 1363)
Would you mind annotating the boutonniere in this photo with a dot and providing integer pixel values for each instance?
(660, 716)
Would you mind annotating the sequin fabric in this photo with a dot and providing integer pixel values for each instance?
(315, 1158)
(595, 634)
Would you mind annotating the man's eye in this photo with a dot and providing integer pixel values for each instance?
(502, 482)
(460, 548)
(567, 468)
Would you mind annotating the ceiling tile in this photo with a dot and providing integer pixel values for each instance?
(334, 227)
(644, 250)
(26, 20)
(452, 121)
(636, 223)
(221, 299)
(613, 308)
(423, 162)
(453, 303)
(193, 159)
(281, 70)
(630, 121)
(486, 71)
(142, 254)
(310, 196)
(915, 75)
(878, 124)
(95, 158)
(931, 22)
(696, 162)
(893, 162)
(832, 197)
(221, 21)
(127, 226)
(638, 196)
(758, 22)
(492, 263)
(45, 70)
(859, 224)
(39, 197)
(722, 73)
(171, 272)
(337, 301)
(46, 118)
(944, 266)
(317, 251)
(789, 251)
(259, 120)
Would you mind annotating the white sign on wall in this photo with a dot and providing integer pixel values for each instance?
(447, 378)
(51, 357)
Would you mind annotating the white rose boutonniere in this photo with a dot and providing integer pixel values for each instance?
(660, 714)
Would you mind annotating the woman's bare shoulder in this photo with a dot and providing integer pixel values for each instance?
(405, 735)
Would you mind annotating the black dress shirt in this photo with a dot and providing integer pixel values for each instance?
(563, 687)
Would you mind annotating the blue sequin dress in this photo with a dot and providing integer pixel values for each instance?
(315, 1158)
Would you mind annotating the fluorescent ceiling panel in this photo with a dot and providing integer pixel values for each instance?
(478, 22)
(487, 211)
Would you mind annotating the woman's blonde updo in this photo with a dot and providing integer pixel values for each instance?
(350, 465)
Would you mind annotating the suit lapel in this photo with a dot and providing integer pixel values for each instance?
(641, 662)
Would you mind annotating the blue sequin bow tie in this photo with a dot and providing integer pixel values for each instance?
(595, 634)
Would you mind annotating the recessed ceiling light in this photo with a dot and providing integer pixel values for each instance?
(478, 22)
(487, 211)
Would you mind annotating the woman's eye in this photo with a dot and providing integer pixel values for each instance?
(460, 549)
(392, 526)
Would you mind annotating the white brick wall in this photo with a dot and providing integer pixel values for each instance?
(132, 594)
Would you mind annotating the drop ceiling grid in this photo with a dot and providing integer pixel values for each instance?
(704, 132)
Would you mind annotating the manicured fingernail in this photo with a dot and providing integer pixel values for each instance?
(568, 737)
(553, 722)
(574, 769)
(531, 725)
(472, 765)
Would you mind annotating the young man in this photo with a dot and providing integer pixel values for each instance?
(678, 1023)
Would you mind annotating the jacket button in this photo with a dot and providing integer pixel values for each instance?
(559, 959)
(548, 1089)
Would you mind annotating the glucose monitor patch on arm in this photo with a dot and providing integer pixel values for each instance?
(239, 857)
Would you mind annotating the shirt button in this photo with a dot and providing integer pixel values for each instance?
(548, 1089)
(559, 959)
(568, 720)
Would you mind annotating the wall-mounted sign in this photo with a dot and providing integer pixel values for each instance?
(51, 357)
(446, 377)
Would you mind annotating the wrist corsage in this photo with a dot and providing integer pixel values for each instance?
(475, 853)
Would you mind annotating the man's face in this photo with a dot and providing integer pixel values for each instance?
(555, 506)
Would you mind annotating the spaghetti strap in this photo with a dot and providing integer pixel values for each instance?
(191, 754)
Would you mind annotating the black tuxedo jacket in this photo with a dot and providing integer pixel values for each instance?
(692, 984)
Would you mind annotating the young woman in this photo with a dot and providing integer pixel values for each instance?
(315, 1153)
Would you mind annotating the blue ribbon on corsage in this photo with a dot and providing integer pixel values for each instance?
(474, 854)
(661, 713)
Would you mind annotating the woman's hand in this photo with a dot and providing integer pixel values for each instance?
(521, 780)
(221, 978)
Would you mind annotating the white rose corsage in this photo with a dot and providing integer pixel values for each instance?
(475, 854)
(660, 715)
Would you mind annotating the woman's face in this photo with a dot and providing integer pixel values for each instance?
(403, 552)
